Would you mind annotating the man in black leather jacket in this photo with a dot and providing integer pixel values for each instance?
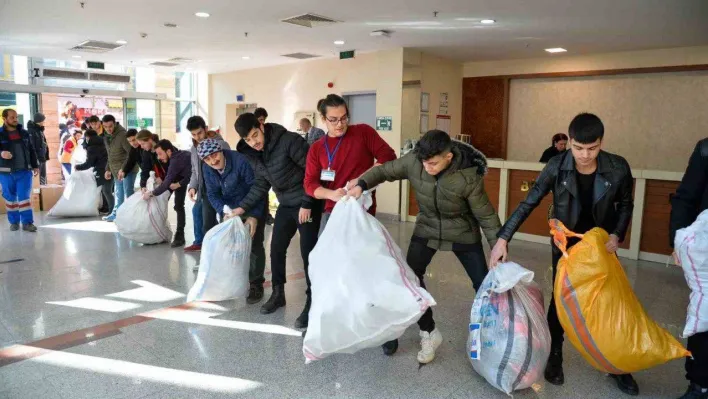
(691, 200)
(591, 188)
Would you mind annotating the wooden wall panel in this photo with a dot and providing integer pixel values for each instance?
(655, 219)
(50, 108)
(485, 104)
(491, 185)
(537, 222)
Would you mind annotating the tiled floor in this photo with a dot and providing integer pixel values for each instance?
(76, 274)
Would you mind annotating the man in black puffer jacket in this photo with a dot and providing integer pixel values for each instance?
(35, 127)
(278, 158)
(97, 158)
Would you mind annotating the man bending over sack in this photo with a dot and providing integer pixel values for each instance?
(97, 158)
(448, 179)
(148, 159)
(691, 200)
(591, 188)
(178, 173)
(228, 178)
(278, 159)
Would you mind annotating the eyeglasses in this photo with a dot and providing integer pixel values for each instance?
(336, 121)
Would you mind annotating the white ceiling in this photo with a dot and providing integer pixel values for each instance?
(48, 28)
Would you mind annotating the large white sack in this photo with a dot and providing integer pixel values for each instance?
(81, 196)
(223, 263)
(363, 292)
(145, 221)
(509, 340)
(691, 245)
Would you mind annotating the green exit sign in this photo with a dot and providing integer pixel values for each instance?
(343, 55)
(95, 65)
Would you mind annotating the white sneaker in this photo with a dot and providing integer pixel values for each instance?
(429, 342)
(195, 268)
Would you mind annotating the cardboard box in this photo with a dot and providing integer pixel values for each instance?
(49, 195)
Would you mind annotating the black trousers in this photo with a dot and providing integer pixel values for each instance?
(553, 322)
(43, 173)
(419, 257)
(180, 195)
(258, 256)
(107, 191)
(208, 212)
(697, 367)
(286, 224)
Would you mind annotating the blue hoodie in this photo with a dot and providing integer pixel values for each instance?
(232, 186)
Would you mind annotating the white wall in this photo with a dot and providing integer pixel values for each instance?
(287, 89)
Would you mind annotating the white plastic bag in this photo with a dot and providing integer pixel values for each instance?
(509, 339)
(81, 196)
(363, 292)
(224, 263)
(145, 221)
(691, 245)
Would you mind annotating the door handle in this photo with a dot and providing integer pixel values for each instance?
(527, 185)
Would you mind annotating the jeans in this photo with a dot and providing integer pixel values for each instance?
(42, 173)
(258, 259)
(16, 190)
(286, 224)
(419, 257)
(123, 189)
(107, 192)
(208, 213)
(697, 367)
(198, 219)
(180, 195)
(67, 168)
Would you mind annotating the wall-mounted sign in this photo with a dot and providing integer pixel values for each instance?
(343, 55)
(95, 65)
(443, 104)
(384, 123)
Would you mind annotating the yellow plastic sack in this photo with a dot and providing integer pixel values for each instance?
(599, 312)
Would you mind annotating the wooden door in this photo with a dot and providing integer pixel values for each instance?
(485, 104)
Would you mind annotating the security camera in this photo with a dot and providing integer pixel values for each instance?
(144, 35)
(85, 91)
(82, 95)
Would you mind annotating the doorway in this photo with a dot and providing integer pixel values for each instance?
(362, 108)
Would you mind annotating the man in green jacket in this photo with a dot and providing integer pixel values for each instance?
(448, 179)
(116, 140)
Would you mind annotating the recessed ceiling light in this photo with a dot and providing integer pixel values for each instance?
(487, 21)
(121, 42)
(202, 14)
(339, 42)
(556, 50)
(245, 57)
(76, 56)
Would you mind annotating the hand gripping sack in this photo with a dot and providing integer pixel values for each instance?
(363, 292)
(223, 263)
(691, 246)
(599, 312)
(509, 339)
(145, 221)
(81, 196)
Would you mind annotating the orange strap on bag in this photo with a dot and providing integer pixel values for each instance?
(599, 311)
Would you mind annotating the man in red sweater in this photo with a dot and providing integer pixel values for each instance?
(345, 154)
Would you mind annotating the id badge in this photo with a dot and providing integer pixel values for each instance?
(327, 175)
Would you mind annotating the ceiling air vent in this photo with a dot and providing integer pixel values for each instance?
(180, 60)
(300, 56)
(310, 20)
(64, 74)
(107, 77)
(94, 46)
(164, 64)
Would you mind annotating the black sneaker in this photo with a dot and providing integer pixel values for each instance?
(14, 227)
(304, 318)
(178, 241)
(695, 391)
(277, 300)
(626, 384)
(255, 293)
(554, 368)
(29, 227)
(390, 347)
(270, 220)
